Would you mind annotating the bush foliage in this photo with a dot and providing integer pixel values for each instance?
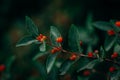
(80, 61)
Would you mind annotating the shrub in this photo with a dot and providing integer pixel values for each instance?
(81, 61)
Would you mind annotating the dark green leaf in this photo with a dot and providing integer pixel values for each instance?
(32, 28)
(115, 76)
(89, 22)
(59, 63)
(53, 74)
(41, 69)
(82, 78)
(9, 63)
(109, 42)
(89, 48)
(43, 47)
(54, 34)
(66, 66)
(74, 39)
(102, 52)
(103, 25)
(51, 61)
(118, 39)
(39, 55)
(90, 65)
(27, 40)
(34, 78)
(117, 48)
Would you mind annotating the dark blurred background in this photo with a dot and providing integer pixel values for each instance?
(44, 13)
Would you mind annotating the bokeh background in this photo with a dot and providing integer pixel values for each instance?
(61, 13)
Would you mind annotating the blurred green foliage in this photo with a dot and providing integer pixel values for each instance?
(44, 13)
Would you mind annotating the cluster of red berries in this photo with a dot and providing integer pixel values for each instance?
(112, 32)
(59, 39)
(88, 72)
(114, 55)
(41, 38)
(55, 49)
(73, 57)
(2, 67)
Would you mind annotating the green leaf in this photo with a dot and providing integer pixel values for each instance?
(117, 48)
(39, 55)
(89, 22)
(74, 39)
(118, 39)
(82, 78)
(41, 69)
(54, 34)
(66, 66)
(89, 48)
(103, 25)
(90, 65)
(115, 76)
(27, 40)
(32, 28)
(79, 78)
(109, 42)
(34, 78)
(102, 52)
(43, 47)
(9, 63)
(50, 61)
(53, 74)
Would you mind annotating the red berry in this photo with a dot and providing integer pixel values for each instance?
(96, 51)
(73, 57)
(86, 73)
(2, 68)
(41, 38)
(111, 32)
(52, 51)
(112, 69)
(114, 55)
(56, 49)
(67, 77)
(81, 43)
(117, 23)
(59, 39)
(90, 54)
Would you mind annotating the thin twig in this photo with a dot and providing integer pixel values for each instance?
(83, 55)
